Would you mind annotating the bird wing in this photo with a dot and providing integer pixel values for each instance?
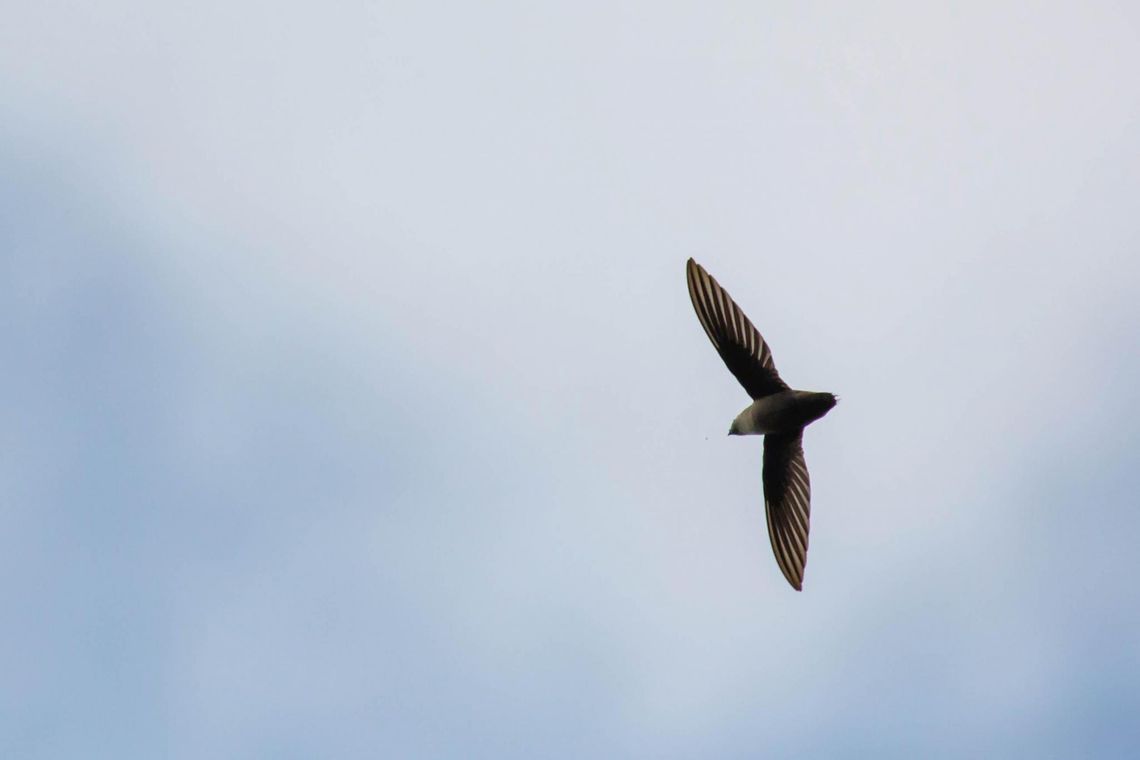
(737, 341)
(787, 502)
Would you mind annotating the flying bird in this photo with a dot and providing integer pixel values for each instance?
(777, 412)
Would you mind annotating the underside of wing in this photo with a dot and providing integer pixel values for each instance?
(737, 341)
(787, 503)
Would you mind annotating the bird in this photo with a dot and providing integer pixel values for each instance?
(777, 412)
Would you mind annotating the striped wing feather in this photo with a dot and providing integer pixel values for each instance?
(787, 503)
(735, 338)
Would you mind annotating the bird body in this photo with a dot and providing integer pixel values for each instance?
(783, 412)
(777, 412)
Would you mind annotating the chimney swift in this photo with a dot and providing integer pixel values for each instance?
(777, 412)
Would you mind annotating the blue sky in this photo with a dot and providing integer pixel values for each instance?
(354, 405)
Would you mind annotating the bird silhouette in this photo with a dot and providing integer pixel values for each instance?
(777, 412)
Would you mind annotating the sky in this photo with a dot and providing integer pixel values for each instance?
(353, 404)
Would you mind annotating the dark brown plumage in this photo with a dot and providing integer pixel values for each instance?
(777, 412)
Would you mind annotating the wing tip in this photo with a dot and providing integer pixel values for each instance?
(796, 581)
(790, 576)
